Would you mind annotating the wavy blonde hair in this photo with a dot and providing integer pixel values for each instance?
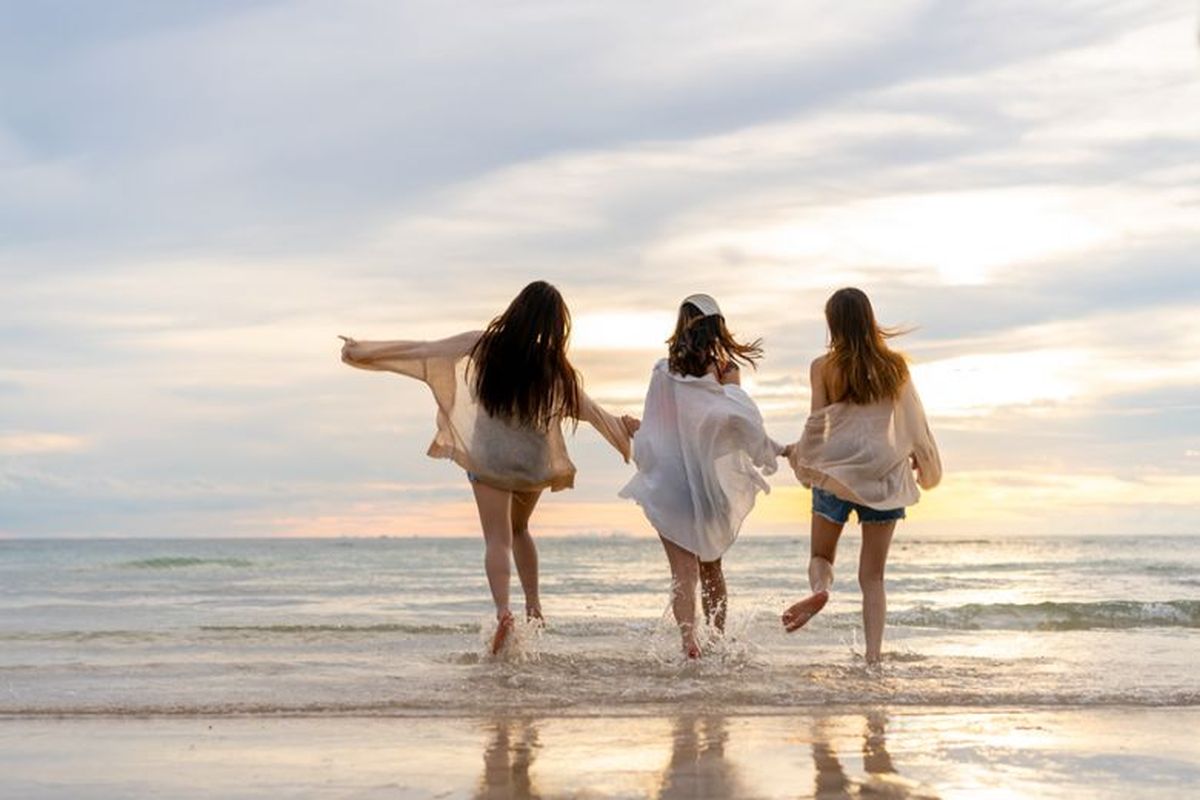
(860, 368)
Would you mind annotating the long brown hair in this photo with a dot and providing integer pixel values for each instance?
(521, 370)
(861, 368)
(701, 342)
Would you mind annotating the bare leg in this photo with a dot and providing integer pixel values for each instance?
(495, 509)
(877, 538)
(825, 535)
(685, 573)
(712, 593)
(525, 551)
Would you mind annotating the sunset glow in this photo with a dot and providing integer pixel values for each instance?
(180, 254)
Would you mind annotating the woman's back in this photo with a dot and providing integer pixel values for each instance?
(701, 447)
(867, 426)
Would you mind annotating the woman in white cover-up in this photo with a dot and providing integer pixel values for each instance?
(700, 452)
(866, 437)
(502, 395)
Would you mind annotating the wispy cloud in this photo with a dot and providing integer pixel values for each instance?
(195, 198)
(24, 443)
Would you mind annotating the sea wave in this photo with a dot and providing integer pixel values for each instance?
(742, 702)
(118, 636)
(1047, 616)
(1050, 616)
(179, 562)
(349, 630)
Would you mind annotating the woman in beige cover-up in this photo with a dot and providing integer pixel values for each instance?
(862, 443)
(502, 395)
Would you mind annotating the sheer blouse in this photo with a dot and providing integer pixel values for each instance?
(501, 452)
(861, 453)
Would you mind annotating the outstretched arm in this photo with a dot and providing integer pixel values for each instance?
(613, 429)
(742, 428)
(732, 376)
(406, 357)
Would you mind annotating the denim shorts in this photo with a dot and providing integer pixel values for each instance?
(835, 509)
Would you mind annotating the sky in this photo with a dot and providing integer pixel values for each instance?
(197, 196)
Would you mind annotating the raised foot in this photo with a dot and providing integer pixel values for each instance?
(504, 627)
(692, 650)
(797, 616)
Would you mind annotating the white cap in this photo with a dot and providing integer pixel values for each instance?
(708, 307)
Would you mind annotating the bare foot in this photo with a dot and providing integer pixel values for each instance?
(799, 614)
(504, 627)
(692, 650)
(533, 615)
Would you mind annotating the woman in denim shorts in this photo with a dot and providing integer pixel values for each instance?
(866, 447)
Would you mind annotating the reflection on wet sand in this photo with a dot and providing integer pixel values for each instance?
(987, 753)
(706, 756)
(831, 781)
(698, 766)
(507, 759)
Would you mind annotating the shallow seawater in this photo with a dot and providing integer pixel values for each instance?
(398, 626)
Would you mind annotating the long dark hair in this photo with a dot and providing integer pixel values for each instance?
(701, 342)
(521, 371)
(861, 367)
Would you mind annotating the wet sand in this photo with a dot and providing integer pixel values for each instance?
(835, 753)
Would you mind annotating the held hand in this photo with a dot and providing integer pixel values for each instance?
(631, 424)
(787, 451)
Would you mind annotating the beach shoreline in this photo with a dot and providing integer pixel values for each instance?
(833, 752)
(255, 669)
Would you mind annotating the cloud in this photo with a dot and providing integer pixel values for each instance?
(196, 198)
(24, 443)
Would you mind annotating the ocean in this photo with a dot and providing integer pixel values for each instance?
(398, 626)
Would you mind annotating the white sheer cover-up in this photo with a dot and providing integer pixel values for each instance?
(501, 453)
(701, 453)
(861, 453)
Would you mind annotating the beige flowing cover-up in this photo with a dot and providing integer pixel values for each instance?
(502, 453)
(861, 452)
(701, 453)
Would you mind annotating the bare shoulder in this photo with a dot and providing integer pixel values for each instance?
(817, 382)
(467, 339)
(455, 346)
(730, 373)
